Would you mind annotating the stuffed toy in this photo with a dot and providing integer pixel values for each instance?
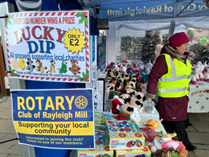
(134, 79)
(201, 69)
(119, 85)
(117, 74)
(109, 80)
(125, 112)
(130, 71)
(133, 76)
(133, 84)
(115, 67)
(128, 87)
(152, 124)
(116, 101)
(111, 91)
(139, 96)
(160, 153)
(144, 77)
(108, 71)
(150, 107)
(75, 69)
(113, 79)
(206, 75)
(137, 85)
(130, 91)
(182, 152)
(136, 105)
(172, 144)
(194, 76)
(126, 77)
(126, 98)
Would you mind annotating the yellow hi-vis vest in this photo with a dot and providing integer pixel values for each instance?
(175, 82)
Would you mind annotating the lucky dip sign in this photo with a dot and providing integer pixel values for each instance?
(48, 46)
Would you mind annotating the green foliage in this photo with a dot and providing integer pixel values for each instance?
(8, 20)
(85, 75)
(83, 19)
(13, 72)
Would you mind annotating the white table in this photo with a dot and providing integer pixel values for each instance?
(155, 113)
(199, 98)
(141, 124)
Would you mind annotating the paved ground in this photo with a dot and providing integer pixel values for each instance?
(198, 133)
(7, 131)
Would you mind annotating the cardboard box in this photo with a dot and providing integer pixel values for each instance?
(125, 135)
(145, 152)
(101, 118)
(101, 148)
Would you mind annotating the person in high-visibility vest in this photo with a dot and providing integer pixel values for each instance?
(170, 77)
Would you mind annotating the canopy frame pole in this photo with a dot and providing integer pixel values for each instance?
(185, 8)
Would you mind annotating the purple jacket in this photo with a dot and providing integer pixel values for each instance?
(170, 109)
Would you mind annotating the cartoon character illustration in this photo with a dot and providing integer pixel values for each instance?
(39, 66)
(75, 68)
(30, 67)
(130, 144)
(21, 64)
(52, 67)
(138, 143)
(64, 67)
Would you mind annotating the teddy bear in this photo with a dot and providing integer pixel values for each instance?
(125, 112)
(39, 66)
(126, 98)
(75, 68)
(136, 105)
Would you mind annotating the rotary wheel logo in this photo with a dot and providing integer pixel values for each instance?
(81, 102)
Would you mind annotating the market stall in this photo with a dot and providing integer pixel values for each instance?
(88, 73)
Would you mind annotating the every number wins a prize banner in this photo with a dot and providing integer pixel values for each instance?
(48, 46)
(61, 119)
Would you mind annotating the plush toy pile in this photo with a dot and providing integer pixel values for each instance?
(125, 92)
(200, 72)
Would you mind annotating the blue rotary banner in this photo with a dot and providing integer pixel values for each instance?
(54, 118)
